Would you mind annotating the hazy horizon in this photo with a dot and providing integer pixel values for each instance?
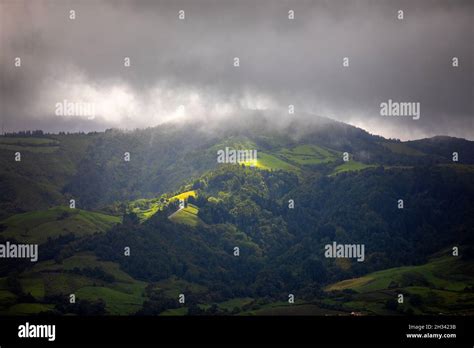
(182, 70)
(218, 125)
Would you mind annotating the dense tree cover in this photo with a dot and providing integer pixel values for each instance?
(282, 249)
(94, 273)
(251, 200)
(362, 208)
(91, 168)
(27, 133)
(81, 307)
(161, 159)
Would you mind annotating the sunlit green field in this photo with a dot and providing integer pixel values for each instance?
(188, 216)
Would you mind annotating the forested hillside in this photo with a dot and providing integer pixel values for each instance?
(156, 216)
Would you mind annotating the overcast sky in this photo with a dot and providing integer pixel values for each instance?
(184, 69)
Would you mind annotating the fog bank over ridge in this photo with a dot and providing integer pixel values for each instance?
(183, 70)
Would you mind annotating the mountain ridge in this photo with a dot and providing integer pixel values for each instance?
(280, 214)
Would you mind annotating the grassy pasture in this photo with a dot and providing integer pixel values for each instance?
(187, 216)
(440, 284)
(308, 155)
(37, 226)
(351, 166)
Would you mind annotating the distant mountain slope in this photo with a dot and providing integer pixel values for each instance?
(37, 181)
(92, 168)
(443, 147)
(443, 285)
(250, 235)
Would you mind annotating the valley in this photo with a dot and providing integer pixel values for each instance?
(190, 249)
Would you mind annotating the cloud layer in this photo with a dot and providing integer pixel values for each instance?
(183, 69)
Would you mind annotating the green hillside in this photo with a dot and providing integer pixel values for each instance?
(38, 226)
(439, 286)
(309, 154)
(187, 215)
(271, 162)
(47, 164)
(247, 237)
(403, 149)
(29, 144)
(351, 166)
(83, 275)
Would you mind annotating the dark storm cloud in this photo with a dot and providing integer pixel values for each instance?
(283, 62)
